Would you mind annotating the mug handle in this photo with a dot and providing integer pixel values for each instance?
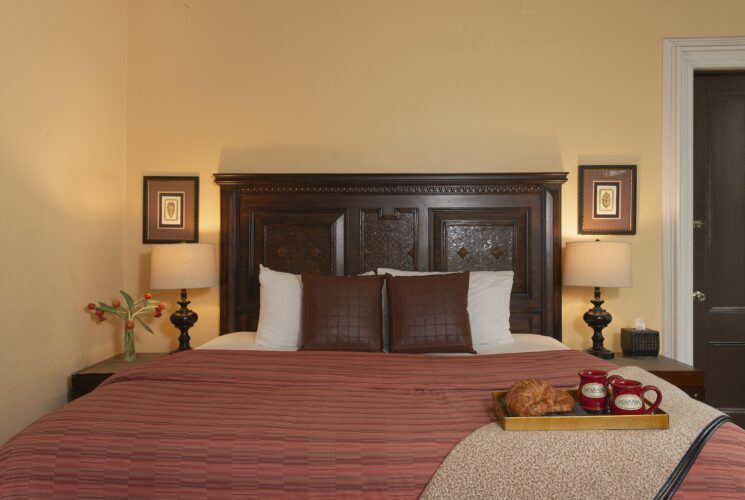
(609, 380)
(657, 402)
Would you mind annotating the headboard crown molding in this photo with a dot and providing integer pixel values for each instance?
(391, 183)
(391, 189)
(352, 223)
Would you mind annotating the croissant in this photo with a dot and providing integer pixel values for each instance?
(529, 398)
(535, 398)
(563, 402)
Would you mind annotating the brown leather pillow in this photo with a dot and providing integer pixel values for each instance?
(429, 313)
(342, 313)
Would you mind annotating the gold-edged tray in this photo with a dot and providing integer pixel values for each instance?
(578, 419)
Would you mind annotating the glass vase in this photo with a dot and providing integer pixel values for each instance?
(129, 345)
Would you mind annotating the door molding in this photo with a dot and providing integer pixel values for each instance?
(681, 57)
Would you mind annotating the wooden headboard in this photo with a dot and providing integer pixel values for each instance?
(352, 223)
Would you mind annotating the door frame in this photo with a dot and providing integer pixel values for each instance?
(681, 57)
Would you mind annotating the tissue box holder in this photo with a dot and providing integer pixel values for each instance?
(640, 342)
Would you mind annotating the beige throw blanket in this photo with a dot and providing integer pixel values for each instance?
(492, 463)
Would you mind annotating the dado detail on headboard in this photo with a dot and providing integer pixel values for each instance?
(353, 223)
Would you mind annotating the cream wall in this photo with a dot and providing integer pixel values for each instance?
(94, 94)
(406, 86)
(62, 162)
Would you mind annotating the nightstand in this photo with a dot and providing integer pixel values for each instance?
(686, 377)
(89, 378)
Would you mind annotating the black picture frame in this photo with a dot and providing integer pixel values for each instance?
(170, 209)
(613, 186)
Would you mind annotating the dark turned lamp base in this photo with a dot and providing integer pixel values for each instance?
(598, 318)
(601, 353)
(183, 319)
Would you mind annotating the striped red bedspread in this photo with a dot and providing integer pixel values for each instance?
(236, 424)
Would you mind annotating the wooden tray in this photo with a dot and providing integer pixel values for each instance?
(577, 419)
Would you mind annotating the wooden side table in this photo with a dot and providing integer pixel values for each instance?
(89, 378)
(686, 377)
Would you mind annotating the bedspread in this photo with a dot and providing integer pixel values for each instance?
(223, 424)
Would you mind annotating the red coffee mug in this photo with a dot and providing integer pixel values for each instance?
(593, 389)
(627, 397)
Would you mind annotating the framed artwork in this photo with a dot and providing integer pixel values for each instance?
(170, 209)
(607, 199)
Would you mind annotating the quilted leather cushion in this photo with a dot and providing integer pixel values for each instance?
(429, 313)
(342, 313)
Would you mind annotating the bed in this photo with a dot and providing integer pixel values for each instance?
(234, 419)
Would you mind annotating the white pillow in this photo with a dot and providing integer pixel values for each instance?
(281, 297)
(488, 304)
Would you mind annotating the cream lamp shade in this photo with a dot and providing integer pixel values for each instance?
(183, 265)
(597, 264)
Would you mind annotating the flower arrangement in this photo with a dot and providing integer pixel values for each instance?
(130, 314)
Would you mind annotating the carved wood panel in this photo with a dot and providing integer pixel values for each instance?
(479, 247)
(389, 240)
(494, 239)
(297, 242)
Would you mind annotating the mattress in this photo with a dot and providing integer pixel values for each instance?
(523, 342)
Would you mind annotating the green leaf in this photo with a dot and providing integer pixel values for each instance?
(144, 325)
(112, 310)
(129, 300)
(109, 309)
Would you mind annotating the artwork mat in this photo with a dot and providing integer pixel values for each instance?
(625, 176)
(153, 230)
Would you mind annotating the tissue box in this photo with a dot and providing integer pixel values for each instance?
(640, 342)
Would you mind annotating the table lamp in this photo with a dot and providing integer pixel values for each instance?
(597, 264)
(182, 266)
